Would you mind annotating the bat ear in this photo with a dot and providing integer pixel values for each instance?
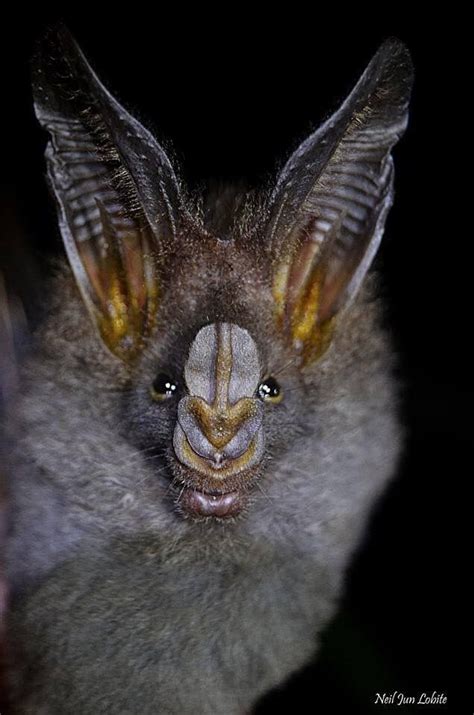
(331, 200)
(117, 194)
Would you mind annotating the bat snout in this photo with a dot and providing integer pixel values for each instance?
(218, 439)
(219, 442)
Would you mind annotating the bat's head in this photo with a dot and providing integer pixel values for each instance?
(219, 328)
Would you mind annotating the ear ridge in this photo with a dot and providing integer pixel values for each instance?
(330, 202)
(117, 195)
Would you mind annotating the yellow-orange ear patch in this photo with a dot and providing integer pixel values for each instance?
(123, 286)
(297, 309)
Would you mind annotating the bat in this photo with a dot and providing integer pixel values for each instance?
(209, 412)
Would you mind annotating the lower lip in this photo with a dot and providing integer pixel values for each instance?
(222, 506)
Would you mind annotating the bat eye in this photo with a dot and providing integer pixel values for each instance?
(163, 387)
(270, 391)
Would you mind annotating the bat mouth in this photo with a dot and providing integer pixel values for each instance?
(199, 496)
(204, 504)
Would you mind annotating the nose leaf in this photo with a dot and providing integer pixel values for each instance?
(219, 425)
(245, 433)
(218, 435)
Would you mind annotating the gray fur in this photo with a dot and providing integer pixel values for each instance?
(126, 598)
(121, 605)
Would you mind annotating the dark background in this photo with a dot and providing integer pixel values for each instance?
(236, 94)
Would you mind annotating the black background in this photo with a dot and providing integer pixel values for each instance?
(235, 94)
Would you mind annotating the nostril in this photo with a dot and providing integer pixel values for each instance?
(217, 460)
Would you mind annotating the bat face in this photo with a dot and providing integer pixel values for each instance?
(218, 401)
(222, 336)
(219, 394)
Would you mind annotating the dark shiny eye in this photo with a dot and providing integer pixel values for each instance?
(270, 391)
(163, 387)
